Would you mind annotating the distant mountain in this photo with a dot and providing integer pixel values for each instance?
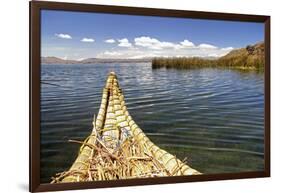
(55, 60)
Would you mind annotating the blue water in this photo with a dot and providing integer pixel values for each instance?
(214, 117)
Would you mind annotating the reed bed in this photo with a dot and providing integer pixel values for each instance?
(251, 57)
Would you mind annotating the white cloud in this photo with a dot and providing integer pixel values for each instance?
(227, 49)
(90, 40)
(143, 52)
(146, 41)
(142, 47)
(65, 58)
(110, 41)
(167, 45)
(80, 59)
(112, 53)
(187, 43)
(123, 54)
(63, 36)
(153, 43)
(207, 46)
(214, 55)
(124, 43)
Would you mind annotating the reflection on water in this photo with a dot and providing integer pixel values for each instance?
(214, 117)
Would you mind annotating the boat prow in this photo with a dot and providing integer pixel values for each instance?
(118, 149)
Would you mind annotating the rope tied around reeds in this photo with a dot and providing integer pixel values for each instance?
(117, 148)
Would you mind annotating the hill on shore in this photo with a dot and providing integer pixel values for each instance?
(251, 56)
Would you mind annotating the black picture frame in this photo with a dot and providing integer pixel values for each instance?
(34, 99)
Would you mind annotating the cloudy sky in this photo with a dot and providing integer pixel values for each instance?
(77, 35)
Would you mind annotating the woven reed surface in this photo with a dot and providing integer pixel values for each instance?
(117, 148)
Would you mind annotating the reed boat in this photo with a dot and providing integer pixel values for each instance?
(117, 148)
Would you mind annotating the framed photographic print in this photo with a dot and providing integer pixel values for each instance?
(123, 96)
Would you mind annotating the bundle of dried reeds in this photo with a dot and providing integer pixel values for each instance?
(117, 148)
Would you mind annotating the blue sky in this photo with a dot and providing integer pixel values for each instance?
(79, 35)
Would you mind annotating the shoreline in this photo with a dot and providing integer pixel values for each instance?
(251, 57)
(241, 68)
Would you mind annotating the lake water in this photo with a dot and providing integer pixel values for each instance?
(214, 117)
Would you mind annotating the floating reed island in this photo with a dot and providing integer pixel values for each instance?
(117, 148)
(249, 58)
